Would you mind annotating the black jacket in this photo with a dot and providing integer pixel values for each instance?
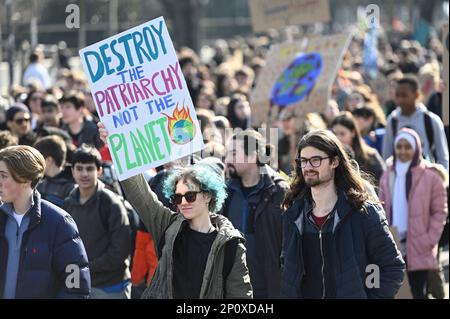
(262, 211)
(49, 245)
(89, 134)
(351, 241)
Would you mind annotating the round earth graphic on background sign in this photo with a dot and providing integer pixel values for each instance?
(297, 80)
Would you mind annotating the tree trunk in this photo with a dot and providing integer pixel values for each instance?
(185, 20)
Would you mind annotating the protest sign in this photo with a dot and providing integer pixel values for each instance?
(142, 98)
(445, 95)
(298, 75)
(281, 13)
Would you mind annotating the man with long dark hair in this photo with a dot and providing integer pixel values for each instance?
(255, 193)
(336, 242)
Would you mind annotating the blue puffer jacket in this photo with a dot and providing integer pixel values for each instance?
(355, 240)
(49, 245)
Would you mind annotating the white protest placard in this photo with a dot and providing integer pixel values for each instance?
(142, 98)
(281, 13)
(298, 75)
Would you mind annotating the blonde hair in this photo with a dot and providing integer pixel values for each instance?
(24, 163)
(432, 70)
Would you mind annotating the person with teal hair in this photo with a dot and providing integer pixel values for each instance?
(201, 255)
(209, 182)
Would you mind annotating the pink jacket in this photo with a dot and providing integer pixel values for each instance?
(427, 210)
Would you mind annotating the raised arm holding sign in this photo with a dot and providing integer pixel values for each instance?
(204, 238)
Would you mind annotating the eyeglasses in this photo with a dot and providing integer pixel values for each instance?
(315, 161)
(190, 197)
(21, 121)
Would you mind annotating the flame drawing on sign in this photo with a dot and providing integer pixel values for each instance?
(180, 126)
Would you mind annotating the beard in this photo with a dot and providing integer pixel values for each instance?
(313, 181)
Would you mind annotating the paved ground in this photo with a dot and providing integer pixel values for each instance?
(444, 263)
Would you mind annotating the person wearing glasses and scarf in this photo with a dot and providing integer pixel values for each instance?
(201, 254)
(336, 241)
(415, 201)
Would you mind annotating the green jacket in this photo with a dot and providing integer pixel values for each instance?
(161, 221)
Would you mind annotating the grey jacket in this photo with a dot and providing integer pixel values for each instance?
(106, 234)
(417, 123)
(161, 221)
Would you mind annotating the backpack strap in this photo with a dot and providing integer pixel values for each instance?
(430, 134)
(394, 122)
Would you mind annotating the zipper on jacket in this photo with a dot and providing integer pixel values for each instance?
(323, 264)
(321, 252)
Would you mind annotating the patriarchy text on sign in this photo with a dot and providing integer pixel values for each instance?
(142, 98)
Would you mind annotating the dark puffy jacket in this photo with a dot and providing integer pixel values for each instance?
(356, 239)
(49, 245)
(262, 213)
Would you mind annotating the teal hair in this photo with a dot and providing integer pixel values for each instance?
(207, 179)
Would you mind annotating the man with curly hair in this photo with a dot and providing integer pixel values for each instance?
(193, 243)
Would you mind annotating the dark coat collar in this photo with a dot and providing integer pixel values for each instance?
(302, 206)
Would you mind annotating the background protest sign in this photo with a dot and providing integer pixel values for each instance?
(445, 96)
(280, 13)
(142, 98)
(298, 75)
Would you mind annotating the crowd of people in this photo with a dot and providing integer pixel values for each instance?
(227, 223)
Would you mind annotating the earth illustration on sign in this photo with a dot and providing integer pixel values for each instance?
(180, 126)
(298, 80)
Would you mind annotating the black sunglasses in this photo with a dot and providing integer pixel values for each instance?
(190, 197)
(20, 121)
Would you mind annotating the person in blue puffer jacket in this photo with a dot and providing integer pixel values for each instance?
(41, 252)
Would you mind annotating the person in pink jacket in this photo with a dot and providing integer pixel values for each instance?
(415, 201)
